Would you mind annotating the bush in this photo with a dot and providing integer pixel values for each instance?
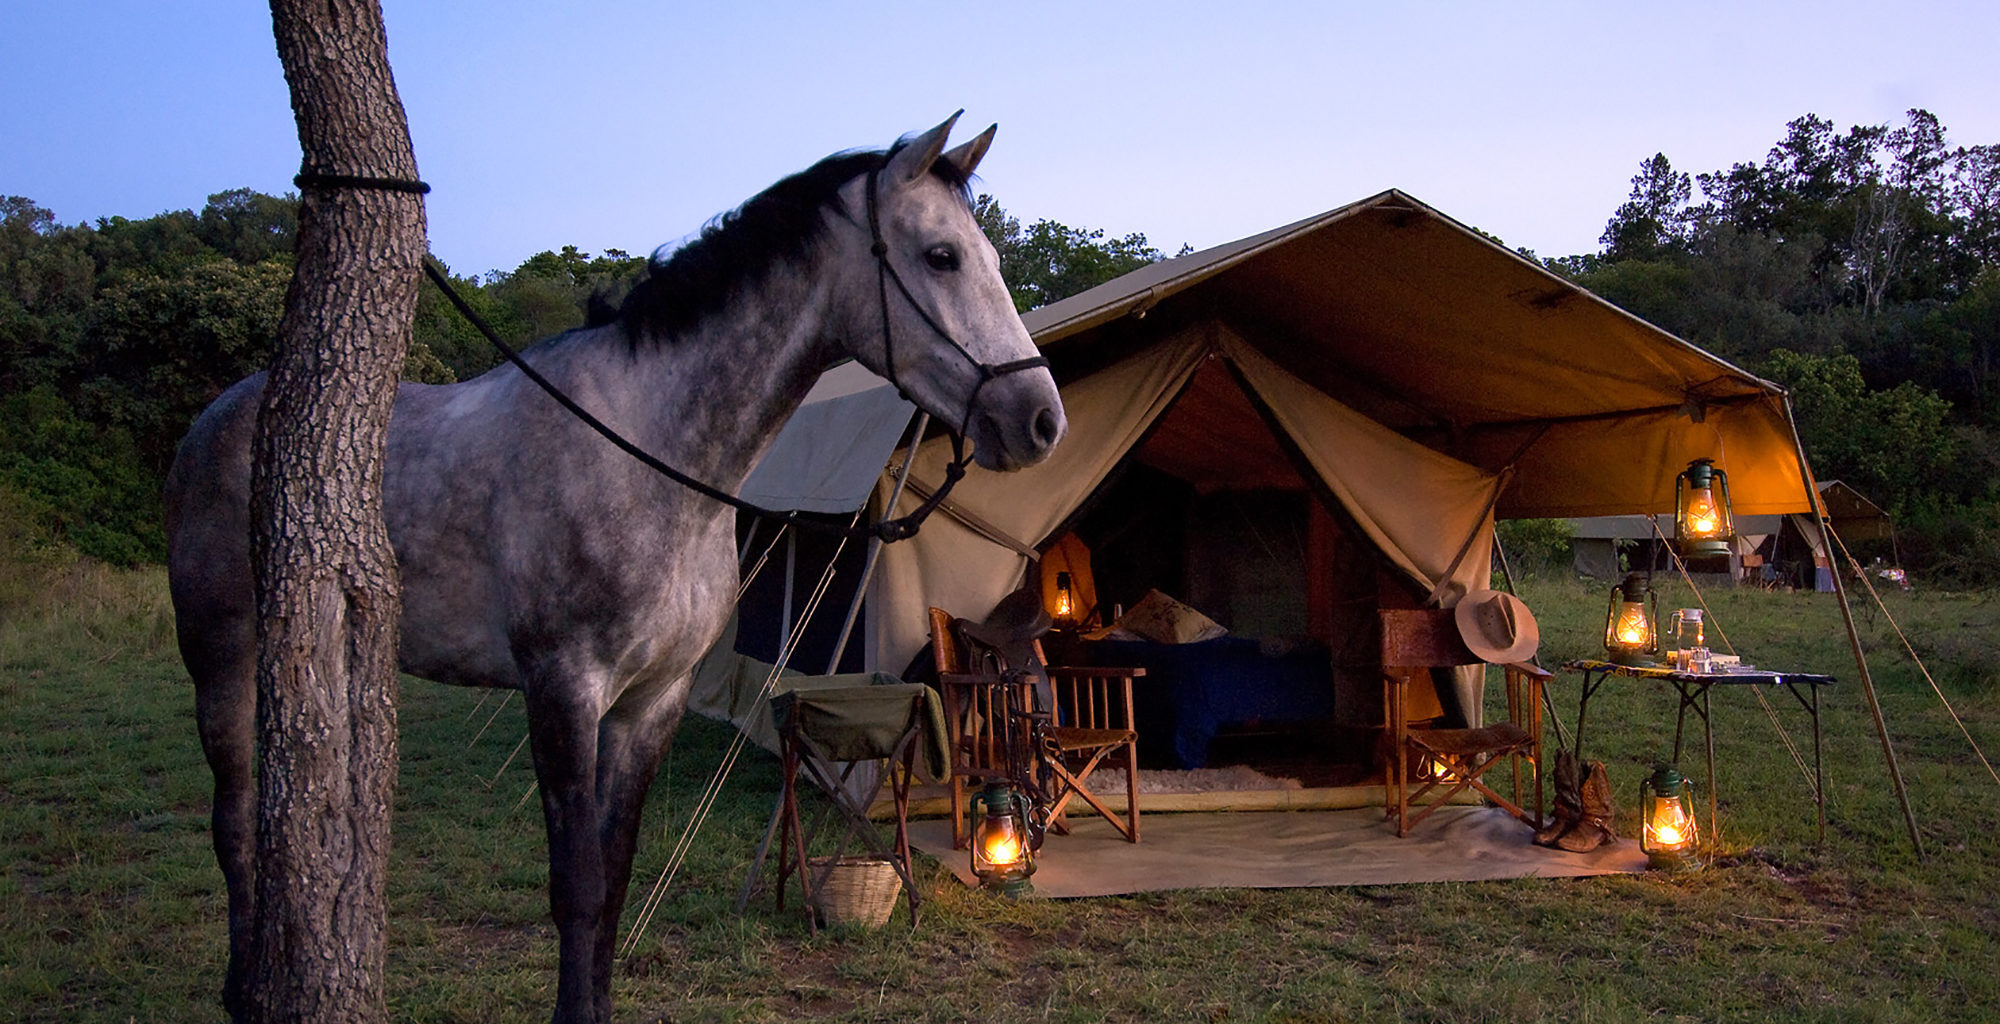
(76, 483)
(1535, 546)
(1951, 545)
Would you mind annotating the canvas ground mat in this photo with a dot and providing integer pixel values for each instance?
(1276, 850)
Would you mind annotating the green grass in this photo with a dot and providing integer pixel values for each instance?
(111, 908)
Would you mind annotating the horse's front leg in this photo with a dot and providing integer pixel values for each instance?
(562, 730)
(630, 743)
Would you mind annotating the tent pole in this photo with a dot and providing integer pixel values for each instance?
(791, 572)
(1854, 642)
(875, 546)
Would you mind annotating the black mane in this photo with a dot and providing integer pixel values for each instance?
(774, 226)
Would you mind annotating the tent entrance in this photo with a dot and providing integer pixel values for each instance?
(1213, 510)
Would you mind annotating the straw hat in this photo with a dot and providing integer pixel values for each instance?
(1498, 627)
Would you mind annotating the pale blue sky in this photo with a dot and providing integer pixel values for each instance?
(613, 124)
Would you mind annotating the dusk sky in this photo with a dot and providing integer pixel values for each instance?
(628, 125)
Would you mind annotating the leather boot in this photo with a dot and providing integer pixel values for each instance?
(1593, 828)
(1568, 800)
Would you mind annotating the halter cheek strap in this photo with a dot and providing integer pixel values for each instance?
(885, 272)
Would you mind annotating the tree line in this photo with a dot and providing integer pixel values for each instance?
(1860, 269)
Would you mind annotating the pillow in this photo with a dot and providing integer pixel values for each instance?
(1162, 619)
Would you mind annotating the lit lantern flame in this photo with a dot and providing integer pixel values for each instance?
(1000, 847)
(1065, 599)
(1633, 630)
(1669, 827)
(1702, 518)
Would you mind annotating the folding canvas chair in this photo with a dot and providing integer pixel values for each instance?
(1416, 641)
(893, 724)
(1092, 727)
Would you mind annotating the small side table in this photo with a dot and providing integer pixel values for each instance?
(1694, 689)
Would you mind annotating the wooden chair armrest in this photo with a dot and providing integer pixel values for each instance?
(1531, 671)
(971, 679)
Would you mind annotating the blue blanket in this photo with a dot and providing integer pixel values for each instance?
(1191, 691)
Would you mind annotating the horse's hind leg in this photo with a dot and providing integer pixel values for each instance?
(226, 714)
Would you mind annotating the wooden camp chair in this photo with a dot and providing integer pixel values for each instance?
(987, 712)
(1093, 727)
(1416, 641)
(981, 711)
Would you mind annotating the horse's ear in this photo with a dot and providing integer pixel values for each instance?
(966, 158)
(914, 160)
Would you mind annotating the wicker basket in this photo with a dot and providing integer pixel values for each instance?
(855, 890)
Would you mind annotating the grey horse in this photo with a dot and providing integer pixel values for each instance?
(537, 557)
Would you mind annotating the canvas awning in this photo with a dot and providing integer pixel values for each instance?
(1431, 329)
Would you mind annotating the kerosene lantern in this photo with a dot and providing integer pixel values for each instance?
(1702, 521)
(1631, 636)
(1065, 610)
(1002, 854)
(1669, 835)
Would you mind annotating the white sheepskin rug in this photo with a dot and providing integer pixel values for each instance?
(1193, 780)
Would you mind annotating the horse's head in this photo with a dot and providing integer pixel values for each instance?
(929, 308)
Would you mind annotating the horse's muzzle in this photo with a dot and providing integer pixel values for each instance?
(1019, 422)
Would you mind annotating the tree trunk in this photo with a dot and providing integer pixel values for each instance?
(327, 587)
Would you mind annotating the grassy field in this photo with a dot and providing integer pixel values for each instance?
(111, 907)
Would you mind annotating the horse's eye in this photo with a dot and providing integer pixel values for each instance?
(941, 257)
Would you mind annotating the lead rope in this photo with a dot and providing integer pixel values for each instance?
(889, 530)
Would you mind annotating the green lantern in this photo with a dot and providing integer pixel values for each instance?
(1631, 623)
(1003, 853)
(1702, 521)
(1669, 835)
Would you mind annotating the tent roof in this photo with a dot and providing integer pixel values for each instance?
(1419, 323)
(1434, 330)
(1845, 503)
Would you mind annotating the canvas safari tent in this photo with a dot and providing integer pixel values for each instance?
(1289, 430)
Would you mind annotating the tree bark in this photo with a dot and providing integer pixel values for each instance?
(327, 587)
